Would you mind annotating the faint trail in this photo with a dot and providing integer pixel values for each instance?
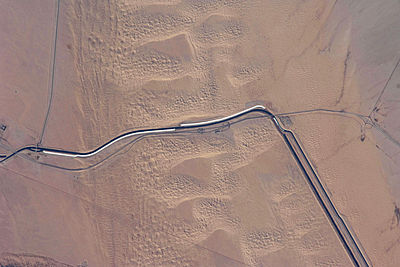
(366, 119)
(347, 237)
(50, 95)
(385, 133)
(323, 110)
(384, 88)
(361, 119)
(115, 214)
(120, 151)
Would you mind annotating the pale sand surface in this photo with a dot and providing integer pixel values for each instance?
(376, 52)
(228, 199)
(249, 203)
(25, 52)
(357, 183)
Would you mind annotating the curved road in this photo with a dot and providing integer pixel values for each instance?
(343, 231)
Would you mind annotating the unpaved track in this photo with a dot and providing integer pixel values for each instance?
(343, 231)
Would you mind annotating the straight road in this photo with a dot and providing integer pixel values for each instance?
(343, 231)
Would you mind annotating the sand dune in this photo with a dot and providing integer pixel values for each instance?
(220, 198)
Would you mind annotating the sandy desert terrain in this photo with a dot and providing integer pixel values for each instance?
(227, 197)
